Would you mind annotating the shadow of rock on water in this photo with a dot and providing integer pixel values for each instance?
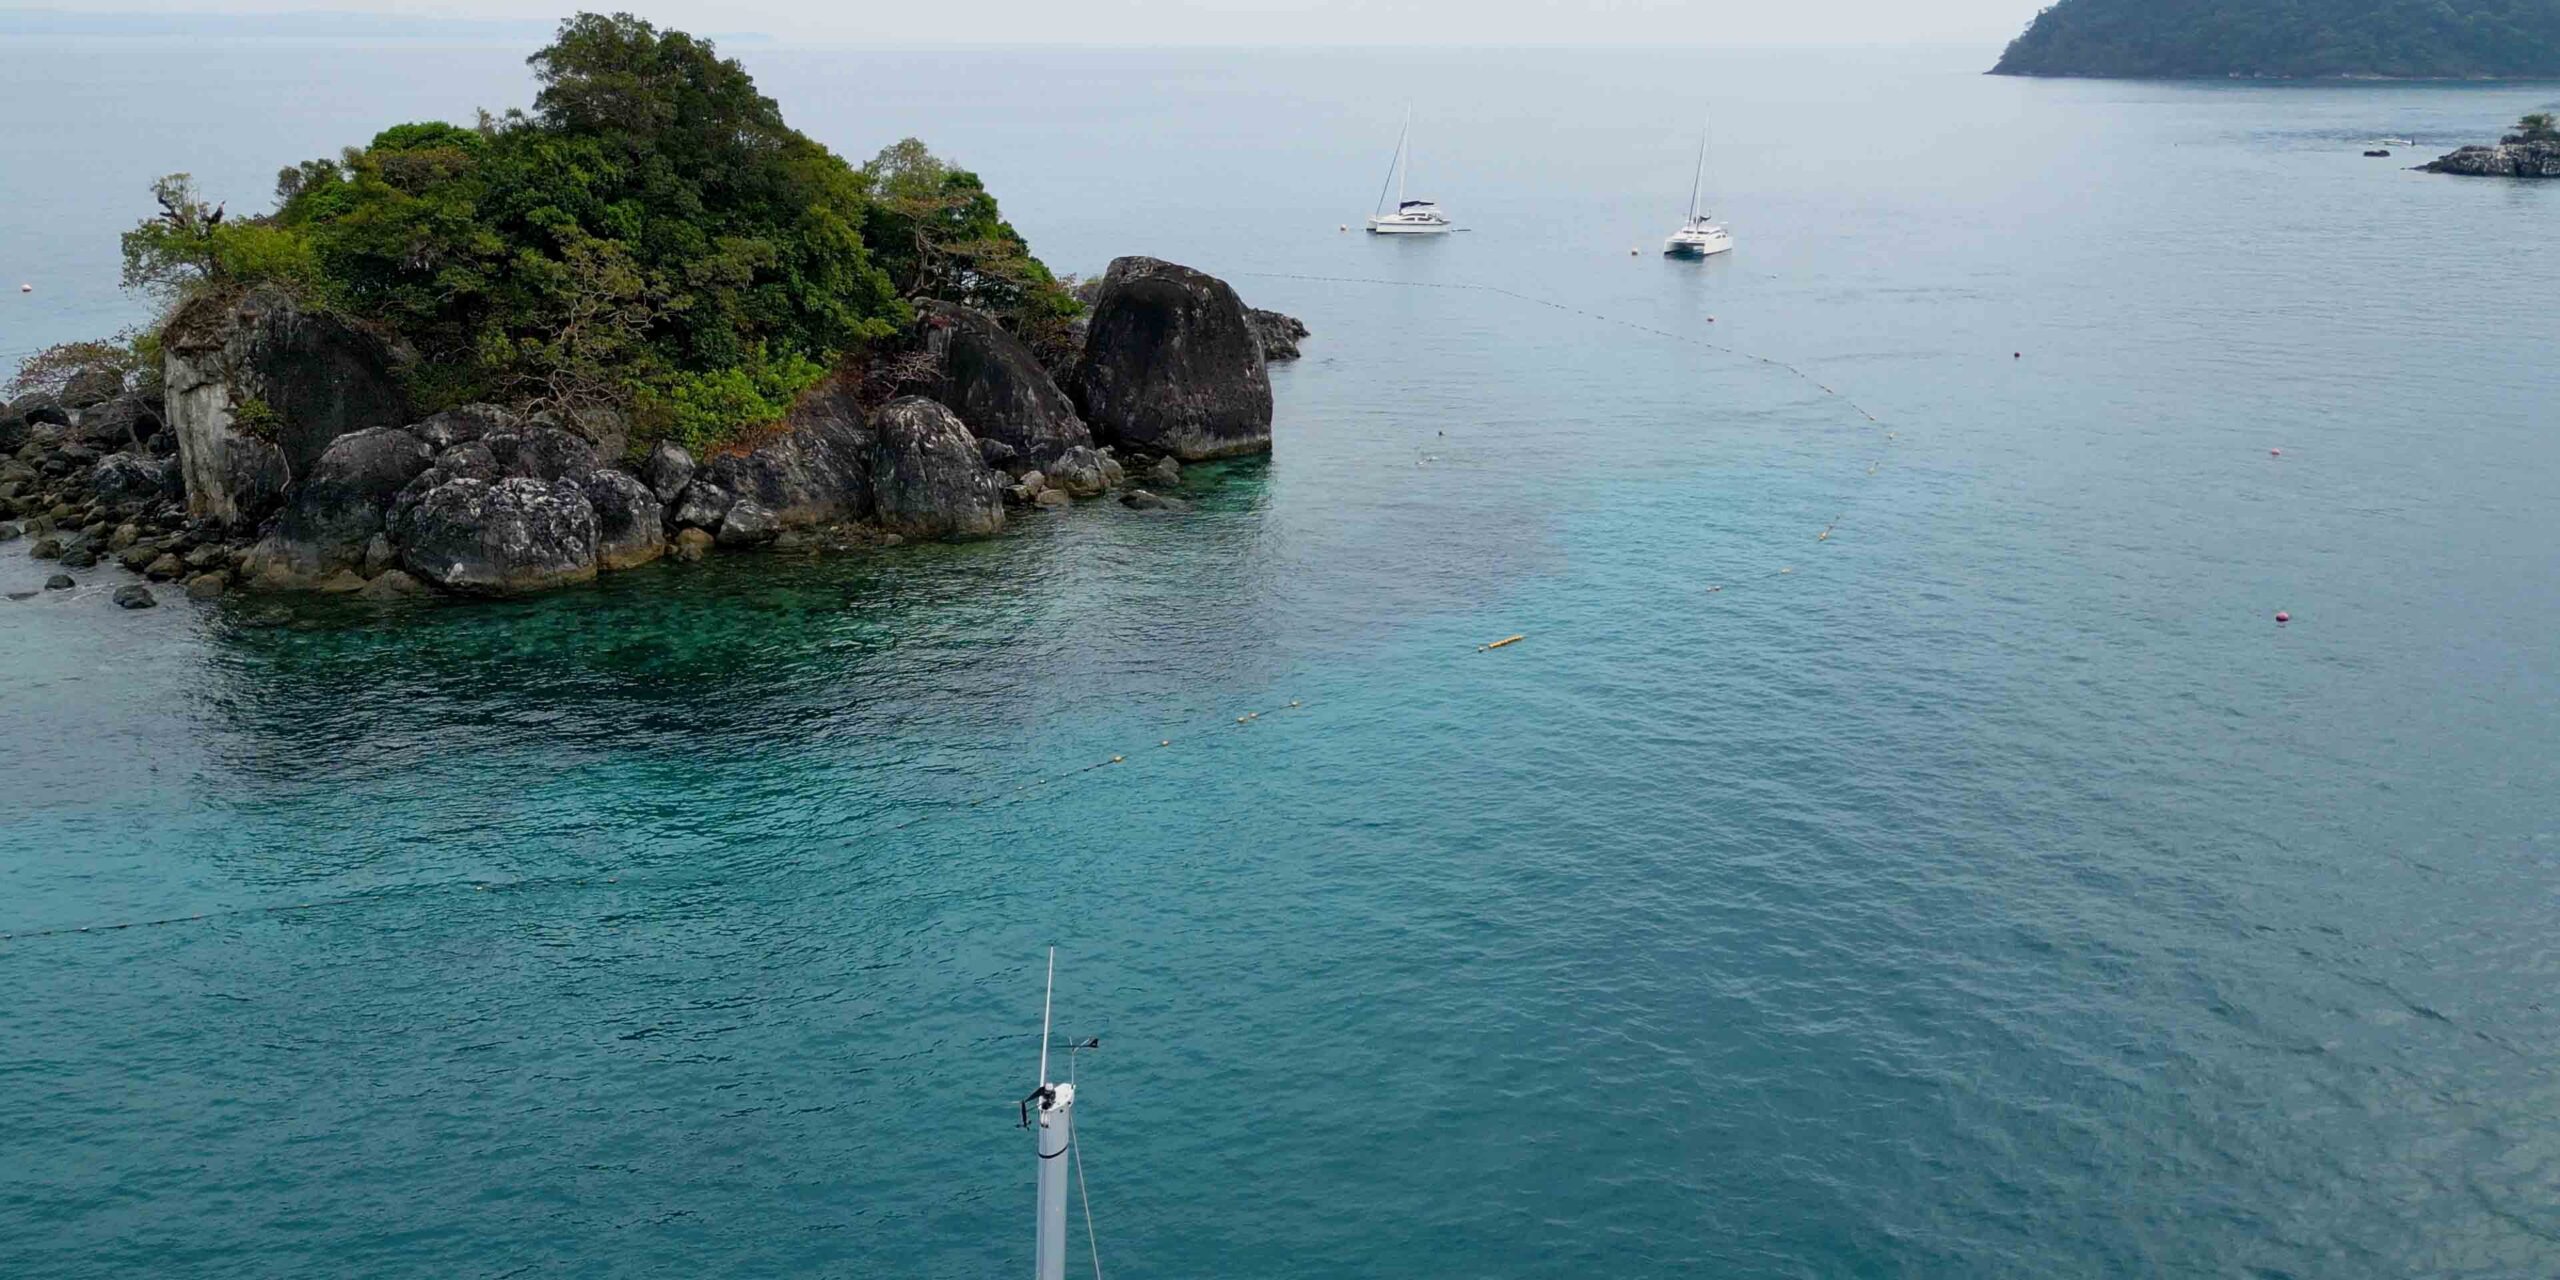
(777, 650)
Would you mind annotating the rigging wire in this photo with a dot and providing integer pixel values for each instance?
(1076, 1145)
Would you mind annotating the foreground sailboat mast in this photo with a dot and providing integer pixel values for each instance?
(1054, 1125)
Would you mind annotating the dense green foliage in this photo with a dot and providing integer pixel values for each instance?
(2410, 38)
(2538, 127)
(651, 238)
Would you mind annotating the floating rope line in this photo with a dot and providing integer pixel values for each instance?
(1570, 309)
(1793, 370)
(359, 898)
(371, 897)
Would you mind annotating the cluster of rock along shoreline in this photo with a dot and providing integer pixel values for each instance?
(2513, 157)
(332, 486)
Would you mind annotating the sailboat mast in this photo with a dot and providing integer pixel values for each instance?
(1395, 166)
(1055, 1127)
(1697, 185)
(1404, 157)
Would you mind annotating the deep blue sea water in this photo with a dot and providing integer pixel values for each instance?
(1988, 889)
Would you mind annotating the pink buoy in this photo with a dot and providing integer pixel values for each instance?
(2275, 453)
(2282, 616)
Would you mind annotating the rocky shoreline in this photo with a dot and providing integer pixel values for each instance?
(278, 454)
(2512, 158)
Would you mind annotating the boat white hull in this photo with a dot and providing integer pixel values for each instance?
(1389, 227)
(1700, 247)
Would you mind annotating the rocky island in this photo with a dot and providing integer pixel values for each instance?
(2290, 39)
(2532, 151)
(434, 370)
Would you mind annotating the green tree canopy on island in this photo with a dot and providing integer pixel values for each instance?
(2299, 38)
(651, 237)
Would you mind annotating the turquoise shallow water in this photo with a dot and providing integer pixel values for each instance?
(1997, 893)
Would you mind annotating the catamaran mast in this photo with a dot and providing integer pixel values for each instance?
(1055, 1126)
(1395, 166)
(1697, 185)
(1404, 158)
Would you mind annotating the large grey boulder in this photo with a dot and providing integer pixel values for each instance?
(464, 424)
(993, 382)
(748, 524)
(1173, 365)
(604, 430)
(630, 529)
(123, 422)
(1278, 334)
(927, 479)
(91, 385)
(2513, 158)
(123, 477)
(544, 453)
(815, 469)
(667, 470)
(310, 378)
(1083, 473)
(35, 407)
(503, 537)
(702, 506)
(338, 508)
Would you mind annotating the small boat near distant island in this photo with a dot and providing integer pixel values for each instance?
(1699, 236)
(1411, 217)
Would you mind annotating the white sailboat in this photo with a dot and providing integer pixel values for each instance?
(1700, 236)
(1412, 217)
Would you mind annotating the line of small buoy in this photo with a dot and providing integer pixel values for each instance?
(359, 898)
(1602, 317)
(1824, 536)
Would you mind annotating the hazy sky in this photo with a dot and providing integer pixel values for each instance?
(1708, 22)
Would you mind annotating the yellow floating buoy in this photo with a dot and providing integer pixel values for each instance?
(1506, 640)
(1118, 759)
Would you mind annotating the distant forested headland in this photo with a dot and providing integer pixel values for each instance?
(2410, 39)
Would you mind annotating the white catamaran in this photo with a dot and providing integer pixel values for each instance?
(1701, 236)
(1412, 217)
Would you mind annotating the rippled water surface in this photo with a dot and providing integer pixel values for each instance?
(1988, 889)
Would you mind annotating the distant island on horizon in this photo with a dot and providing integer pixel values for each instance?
(2291, 39)
(310, 24)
